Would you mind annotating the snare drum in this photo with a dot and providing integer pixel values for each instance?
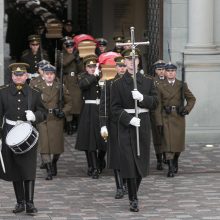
(22, 137)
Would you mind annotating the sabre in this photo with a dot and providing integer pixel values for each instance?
(1, 159)
(133, 44)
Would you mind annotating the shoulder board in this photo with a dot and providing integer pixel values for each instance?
(4, 86)
(36, 89)
(147, 76)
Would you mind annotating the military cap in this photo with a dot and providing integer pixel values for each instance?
(170, 66)
(90, 59)
(18, 68)
(33, 38)
(119, 60)
(118, 38)
(127, 40)
(159, 64)
(128, 53)
(69, 43)
(49, 68)
(42, 63)
(102, 41)
(68, 22)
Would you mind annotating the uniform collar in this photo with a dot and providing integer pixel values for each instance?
(14, 90)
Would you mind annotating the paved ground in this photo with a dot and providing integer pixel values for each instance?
(193, 194)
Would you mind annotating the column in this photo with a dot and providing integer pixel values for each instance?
(217, 24)
(201, 23)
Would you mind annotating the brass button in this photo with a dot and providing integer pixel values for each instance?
(19, 100)
(18, 108)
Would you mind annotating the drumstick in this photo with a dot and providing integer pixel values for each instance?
(2, 162)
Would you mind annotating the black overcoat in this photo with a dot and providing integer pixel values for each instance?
(130, 165)
(89, 137)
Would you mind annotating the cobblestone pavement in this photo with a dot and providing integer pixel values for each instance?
(193, 194)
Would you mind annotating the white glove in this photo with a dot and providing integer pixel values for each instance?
(30, 115)
(137, 95)
(135, 122)
(96, 73)
(104, 131)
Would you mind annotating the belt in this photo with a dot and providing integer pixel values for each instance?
(10, 122)
(139, 110)
(97, 101)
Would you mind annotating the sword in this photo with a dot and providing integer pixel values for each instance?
(1, 159)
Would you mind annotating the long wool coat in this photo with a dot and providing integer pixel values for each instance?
(132, 166)
(51, 139)
(173, 139)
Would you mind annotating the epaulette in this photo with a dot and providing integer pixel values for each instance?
(4, 86)
(25, 52)
(36, 89)
(148, 76)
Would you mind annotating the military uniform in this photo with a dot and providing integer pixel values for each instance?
(118, 39)
(19, 102)
(88, 137)
(170, 116)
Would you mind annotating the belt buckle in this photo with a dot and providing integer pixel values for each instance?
(173, 108)
(18, 122)
(50, 111)
(97, 101)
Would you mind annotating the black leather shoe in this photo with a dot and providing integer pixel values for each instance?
(90, 171)
(19, 207)
(119, 194)
(134, 206)
(170, 174)
(30, 208)
(95, 174)
(159, 165)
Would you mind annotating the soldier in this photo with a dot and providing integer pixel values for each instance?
(159, 77)
(89, 138)
(68, 28)
(118, 39)
(123, 108)
(19, 102)
(51, 139)
(101, 46)
(33, 55)
(170, 116)
(109, 128)
(72, 66)
(127, 40)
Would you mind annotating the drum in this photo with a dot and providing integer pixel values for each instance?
(22, 137)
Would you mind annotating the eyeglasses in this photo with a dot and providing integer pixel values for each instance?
(34, 44)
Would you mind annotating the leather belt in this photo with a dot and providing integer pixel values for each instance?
(96, 101)
(139, 110)
(10, 122)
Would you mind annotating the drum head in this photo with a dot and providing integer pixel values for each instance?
(18, 134)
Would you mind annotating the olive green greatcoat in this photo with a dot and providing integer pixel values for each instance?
(173, 139)
(71, 68)
(51, 139)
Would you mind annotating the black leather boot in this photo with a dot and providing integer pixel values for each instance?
(49, 171)
(69, 127)
(125, 186)
(159, 161)
(101, 160)
(175, 162)
(89, 163)
(138, 181)
(119, 185)
(164, 158)
(29, 196)
(96, 172)
(132, 194)
(19, 193)
(54, 164)
(75, 123)
(170, 168)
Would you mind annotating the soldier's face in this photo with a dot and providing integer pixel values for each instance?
(129, 64)
(121, 68)
(102, 48)
(49, 77)
(19, 78)
(91, 69)
(69, 50)
(160, 72)
(170, 74)
(34, 46)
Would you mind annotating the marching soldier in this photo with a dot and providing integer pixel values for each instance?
(34, 55)
(89, 138)
(159, 77)
(19, 102)
(72, 66)
(123, 110)
(51, 141)
(170, 116)
(118, 39)
(109, 128)
(101, 46)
